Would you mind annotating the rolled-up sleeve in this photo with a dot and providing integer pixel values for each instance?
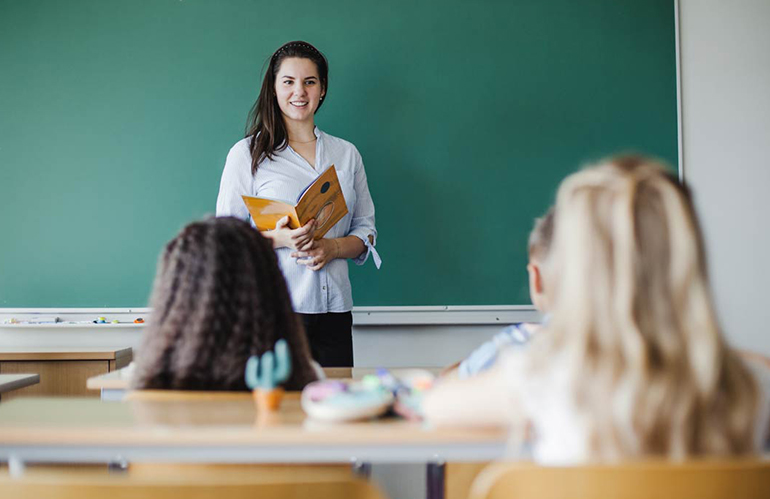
(236, 182)
(362, 223)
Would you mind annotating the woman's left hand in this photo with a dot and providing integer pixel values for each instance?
(322, 252)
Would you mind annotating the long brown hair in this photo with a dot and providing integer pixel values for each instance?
(219, 297)
(265, 125)
(633, 321)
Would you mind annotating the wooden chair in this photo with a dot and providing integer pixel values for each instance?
(86, 485)
(459, 477)
(737, 479)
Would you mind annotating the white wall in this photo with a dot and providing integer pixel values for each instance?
(382, 336)
(725, 74)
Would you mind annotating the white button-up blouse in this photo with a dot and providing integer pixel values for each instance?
(284, 177)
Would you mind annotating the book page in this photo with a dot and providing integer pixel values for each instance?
(267, 212)
(323, 201)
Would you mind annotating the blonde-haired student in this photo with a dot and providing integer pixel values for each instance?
(632, 362)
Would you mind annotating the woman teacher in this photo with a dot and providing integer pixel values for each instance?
(282, 153)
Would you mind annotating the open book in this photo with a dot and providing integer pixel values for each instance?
(322, 200)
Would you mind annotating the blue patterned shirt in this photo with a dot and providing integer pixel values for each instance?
(486, 355)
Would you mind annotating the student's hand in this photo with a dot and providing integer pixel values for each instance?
(322, 252)
(296, 239)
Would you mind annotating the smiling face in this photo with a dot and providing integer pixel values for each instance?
(298, 89)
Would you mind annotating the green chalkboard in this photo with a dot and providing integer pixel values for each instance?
(116, 117)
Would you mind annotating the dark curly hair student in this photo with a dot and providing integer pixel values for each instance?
(218, 298)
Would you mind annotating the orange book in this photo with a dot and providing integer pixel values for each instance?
(322, 200)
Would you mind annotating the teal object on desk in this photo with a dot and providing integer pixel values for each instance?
(118, 115)
(270, 370)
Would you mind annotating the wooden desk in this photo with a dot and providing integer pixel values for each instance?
(112, 386)
(222, 428)
(10, 382)
(63, 371)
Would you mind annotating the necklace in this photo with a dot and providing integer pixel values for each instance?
(306, 142)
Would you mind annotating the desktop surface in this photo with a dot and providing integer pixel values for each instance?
(218, 427)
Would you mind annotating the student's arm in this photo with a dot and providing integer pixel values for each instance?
(484, 400)
(486, 354)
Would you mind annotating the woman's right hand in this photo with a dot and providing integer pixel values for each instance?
(296, 239)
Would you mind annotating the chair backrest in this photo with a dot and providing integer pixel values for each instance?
(734, 479)
(100, 486)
